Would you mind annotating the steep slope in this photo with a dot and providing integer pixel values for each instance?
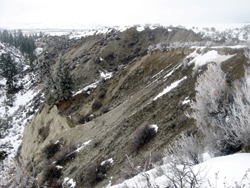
(154, 89)
(126, 81)
(109, 51)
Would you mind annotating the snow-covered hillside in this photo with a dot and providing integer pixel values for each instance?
(15, 117)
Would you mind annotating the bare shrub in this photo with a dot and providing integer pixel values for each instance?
(151, 160)
(57, 184)
(142, 136)
(44, 132)
(91, 175)
(132, 168)
(51, 149)
(51, 174)
(102, 92)
(136, 166)
(181, 175)
(65, 154)
(96, 105)
(104, 109)
(81, 119)
(97, 172)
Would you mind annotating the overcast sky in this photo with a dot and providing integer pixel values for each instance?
(16, 13)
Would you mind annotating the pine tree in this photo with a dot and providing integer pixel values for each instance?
(11, 39)
(59, 86)
(9, 74)
(5, 36)
(19, 37)
(64, 81)
(9, 71)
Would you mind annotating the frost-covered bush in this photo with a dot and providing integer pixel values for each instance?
(187, 149)
(152, 160)
(161, 46)
(222, 111)
(135, 166)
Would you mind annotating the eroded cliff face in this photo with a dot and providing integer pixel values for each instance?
(128, 100)
(46, 125)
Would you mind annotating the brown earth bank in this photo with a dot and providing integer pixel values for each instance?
(109, 116)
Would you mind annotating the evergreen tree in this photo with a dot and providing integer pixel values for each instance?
(64, 81)
(59, 86)
(15, 43)
(19, 37)
(5, 36)
(11, 39)
(9, 71)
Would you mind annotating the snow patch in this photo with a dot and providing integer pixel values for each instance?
(38, 51)
(59, 167)
(167, 89)
(210, 56)
(155, 127)
(70, 183)
(83, 145)
(103, 76)
(106, 75)
(186, 100)
(111, 161)
(226, 171)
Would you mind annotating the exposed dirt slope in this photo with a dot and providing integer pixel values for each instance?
(128, 101)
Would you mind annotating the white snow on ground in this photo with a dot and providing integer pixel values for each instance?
(21, 98)
(186, 100)
(86, 88)
(69, 183)
(38, 51)
(167, 89)
(103, 76)
(220, 172)
(83, 145)
(20, 112)
(111, 161)
(155, 127)
(106, 75)
(210, 56)
(89, 32)
(226, 171)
